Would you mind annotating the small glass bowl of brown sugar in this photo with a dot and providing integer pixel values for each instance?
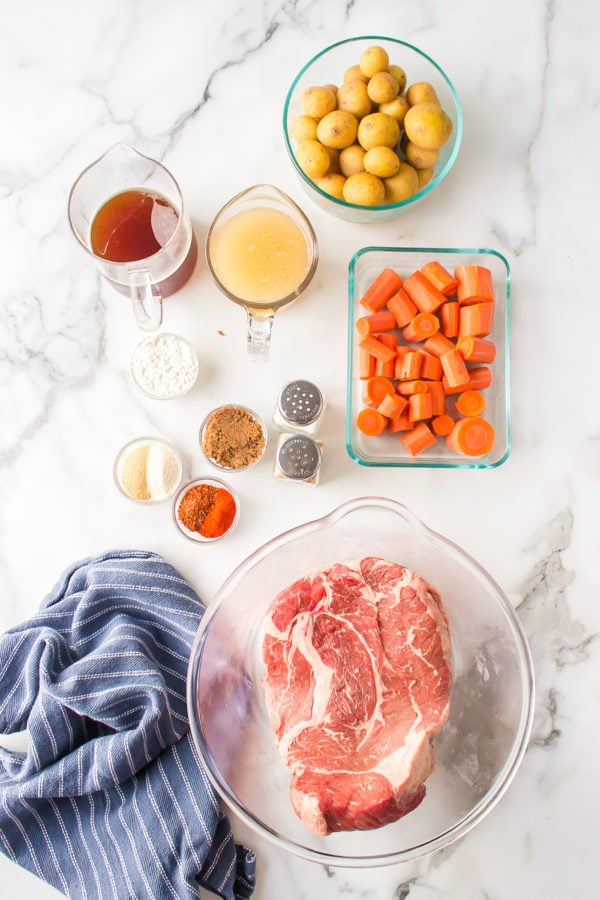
(233, 438)
(206, 510)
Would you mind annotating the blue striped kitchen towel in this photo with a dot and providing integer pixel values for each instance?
(110, 799)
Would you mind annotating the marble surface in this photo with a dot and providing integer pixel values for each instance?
(201, 87)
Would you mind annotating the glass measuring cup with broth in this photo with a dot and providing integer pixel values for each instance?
(262, 253)
(126, 210)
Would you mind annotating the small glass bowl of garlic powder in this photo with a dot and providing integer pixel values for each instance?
(148, 470)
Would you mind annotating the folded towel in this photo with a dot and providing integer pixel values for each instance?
(111, 800)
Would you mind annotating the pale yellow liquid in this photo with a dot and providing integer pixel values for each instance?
(260, 255)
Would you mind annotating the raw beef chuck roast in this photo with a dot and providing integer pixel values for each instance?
(357, 684)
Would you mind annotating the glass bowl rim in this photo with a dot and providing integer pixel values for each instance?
(428, 188)
(522, 736)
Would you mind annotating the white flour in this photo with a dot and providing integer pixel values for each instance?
(164, 366)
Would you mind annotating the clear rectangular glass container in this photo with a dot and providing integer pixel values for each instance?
(387, 449)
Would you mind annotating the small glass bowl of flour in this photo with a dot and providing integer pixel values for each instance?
(148, 470)
(164, 366)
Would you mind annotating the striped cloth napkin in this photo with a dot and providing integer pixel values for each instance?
(110, 800)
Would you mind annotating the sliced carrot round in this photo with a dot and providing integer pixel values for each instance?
(473, 436)
(371, 422)
(471, 403)
(442, 424)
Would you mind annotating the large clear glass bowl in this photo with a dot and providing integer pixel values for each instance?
(477, 752)
(328, 67)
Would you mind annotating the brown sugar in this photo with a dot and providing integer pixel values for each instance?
(233, 437)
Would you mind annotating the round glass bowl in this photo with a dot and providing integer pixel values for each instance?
(477, 752)
(148, 470)
(164, 366)
(328, 67)
(233, 438)
(210, 506)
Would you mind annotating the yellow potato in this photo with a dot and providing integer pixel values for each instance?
(353, 97)
(313, 158)
(317, 101)
(364, 189)
(373, 59)
(401, 186)
(304, 128)
(331, 87)
(337, 129)
(383, 87)
(419, 158)
(399, 74)
(354, 74)
(332, 183)
(424, 176)
(421, 92)
(378, 130)
(396, 108)
(381, 161)
(351, 160)
(427, 126)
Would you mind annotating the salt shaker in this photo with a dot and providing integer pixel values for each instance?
(298, 458)
(300, 407)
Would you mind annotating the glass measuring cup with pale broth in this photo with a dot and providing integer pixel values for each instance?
(262, 253)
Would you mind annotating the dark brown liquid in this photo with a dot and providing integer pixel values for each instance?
(135, 225)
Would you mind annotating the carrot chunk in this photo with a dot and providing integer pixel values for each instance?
(386, 366)
(438, 344)
(379, 292)
(480, 378)
(401, 422)
(419, 407)
(475, 319)
(455, 370)
(413, 387)
(375, 389)
(420, 438)
(476, 349)
(440, 277)
(471, 403)
(473, 436)
(411, 366)
(438, 398)
(474, 284)
(375, 322)
(423, 294)
(366, 364)
(442, 424)
(371, 422)
(392, 405)
(423, 326)
(431, 366)
(402, 308)
(449, 316)
(377, 348)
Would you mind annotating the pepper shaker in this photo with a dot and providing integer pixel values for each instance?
(298, 458)
(300, 407)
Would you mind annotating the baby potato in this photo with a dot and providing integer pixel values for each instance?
(313, 158)
(364, 189)
(396, 108)
(337, 129)
(381, 161)
(399, 74)
(373, 59)
(427, 126)
(383, 87)
(331, 87)
(304, 128)
(378, 130)
(421, 92)
(402, 185)
(352, 160)
(332, 183)
(317, 101)
(419, 158)
(424, 176)
(353, 97)
(354, 74)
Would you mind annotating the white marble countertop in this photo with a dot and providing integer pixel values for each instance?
(200, 86)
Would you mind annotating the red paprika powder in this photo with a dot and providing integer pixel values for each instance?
(207, 509)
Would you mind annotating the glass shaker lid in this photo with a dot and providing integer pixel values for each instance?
(300, 402)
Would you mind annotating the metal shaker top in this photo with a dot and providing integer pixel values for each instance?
(299, 457)
(300, 402)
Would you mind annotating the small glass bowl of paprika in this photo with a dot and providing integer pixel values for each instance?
(205, 510)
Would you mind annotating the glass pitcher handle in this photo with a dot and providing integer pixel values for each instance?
(146, 300)
(259, 330)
